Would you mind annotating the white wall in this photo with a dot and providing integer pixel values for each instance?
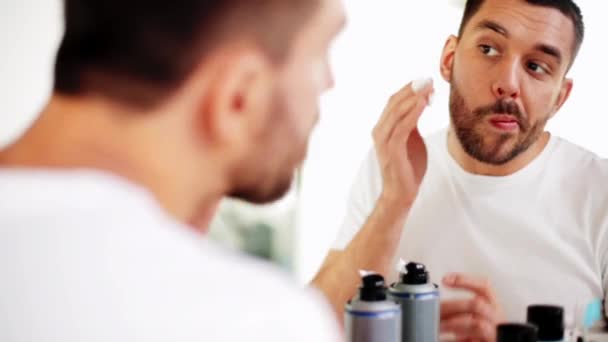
(387, 43)
(29, 34)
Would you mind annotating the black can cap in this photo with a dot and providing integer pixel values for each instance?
(415, 274)
(373, 288)
(550, 321)
(516, 332)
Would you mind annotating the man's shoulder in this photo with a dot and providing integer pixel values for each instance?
(268, 296)
(573, 158)
(236, 266)
(582, 175)
(239, 273)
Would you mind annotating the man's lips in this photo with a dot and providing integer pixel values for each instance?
(504, 122)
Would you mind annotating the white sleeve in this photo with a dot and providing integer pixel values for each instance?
(362, 200)
(316, 321)
(252, 301)
(292, 313)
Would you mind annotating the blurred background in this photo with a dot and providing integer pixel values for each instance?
(386, 44)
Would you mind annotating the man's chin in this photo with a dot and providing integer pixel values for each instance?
(495, 160)
(258, 195)
(491, 149)
(495, 156)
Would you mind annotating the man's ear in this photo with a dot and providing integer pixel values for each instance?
(562, 97)
(447, 58)
(238, 97)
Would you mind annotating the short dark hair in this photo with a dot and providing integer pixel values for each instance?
(140, 51)
(568, 7)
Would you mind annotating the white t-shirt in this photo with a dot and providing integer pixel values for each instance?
(539, 235)
(86, 256)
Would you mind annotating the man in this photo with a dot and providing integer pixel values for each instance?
(159, 109)
(519, 214)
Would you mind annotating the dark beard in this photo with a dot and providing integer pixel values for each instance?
(467, 123)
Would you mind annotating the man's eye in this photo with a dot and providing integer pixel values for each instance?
(488, 50)
(536, 68)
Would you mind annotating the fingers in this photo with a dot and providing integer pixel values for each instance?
(399, 106)
(480, 287)
(410, 111)
(476, 306)
(468, 326)
(473, 319)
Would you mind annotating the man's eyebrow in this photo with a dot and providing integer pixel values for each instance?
(549, 50)
(494, 26)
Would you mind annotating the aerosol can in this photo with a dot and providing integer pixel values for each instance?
(370, 316)
(419, 299)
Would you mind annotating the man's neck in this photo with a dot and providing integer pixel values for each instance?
(75, 136)
(474, 166)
